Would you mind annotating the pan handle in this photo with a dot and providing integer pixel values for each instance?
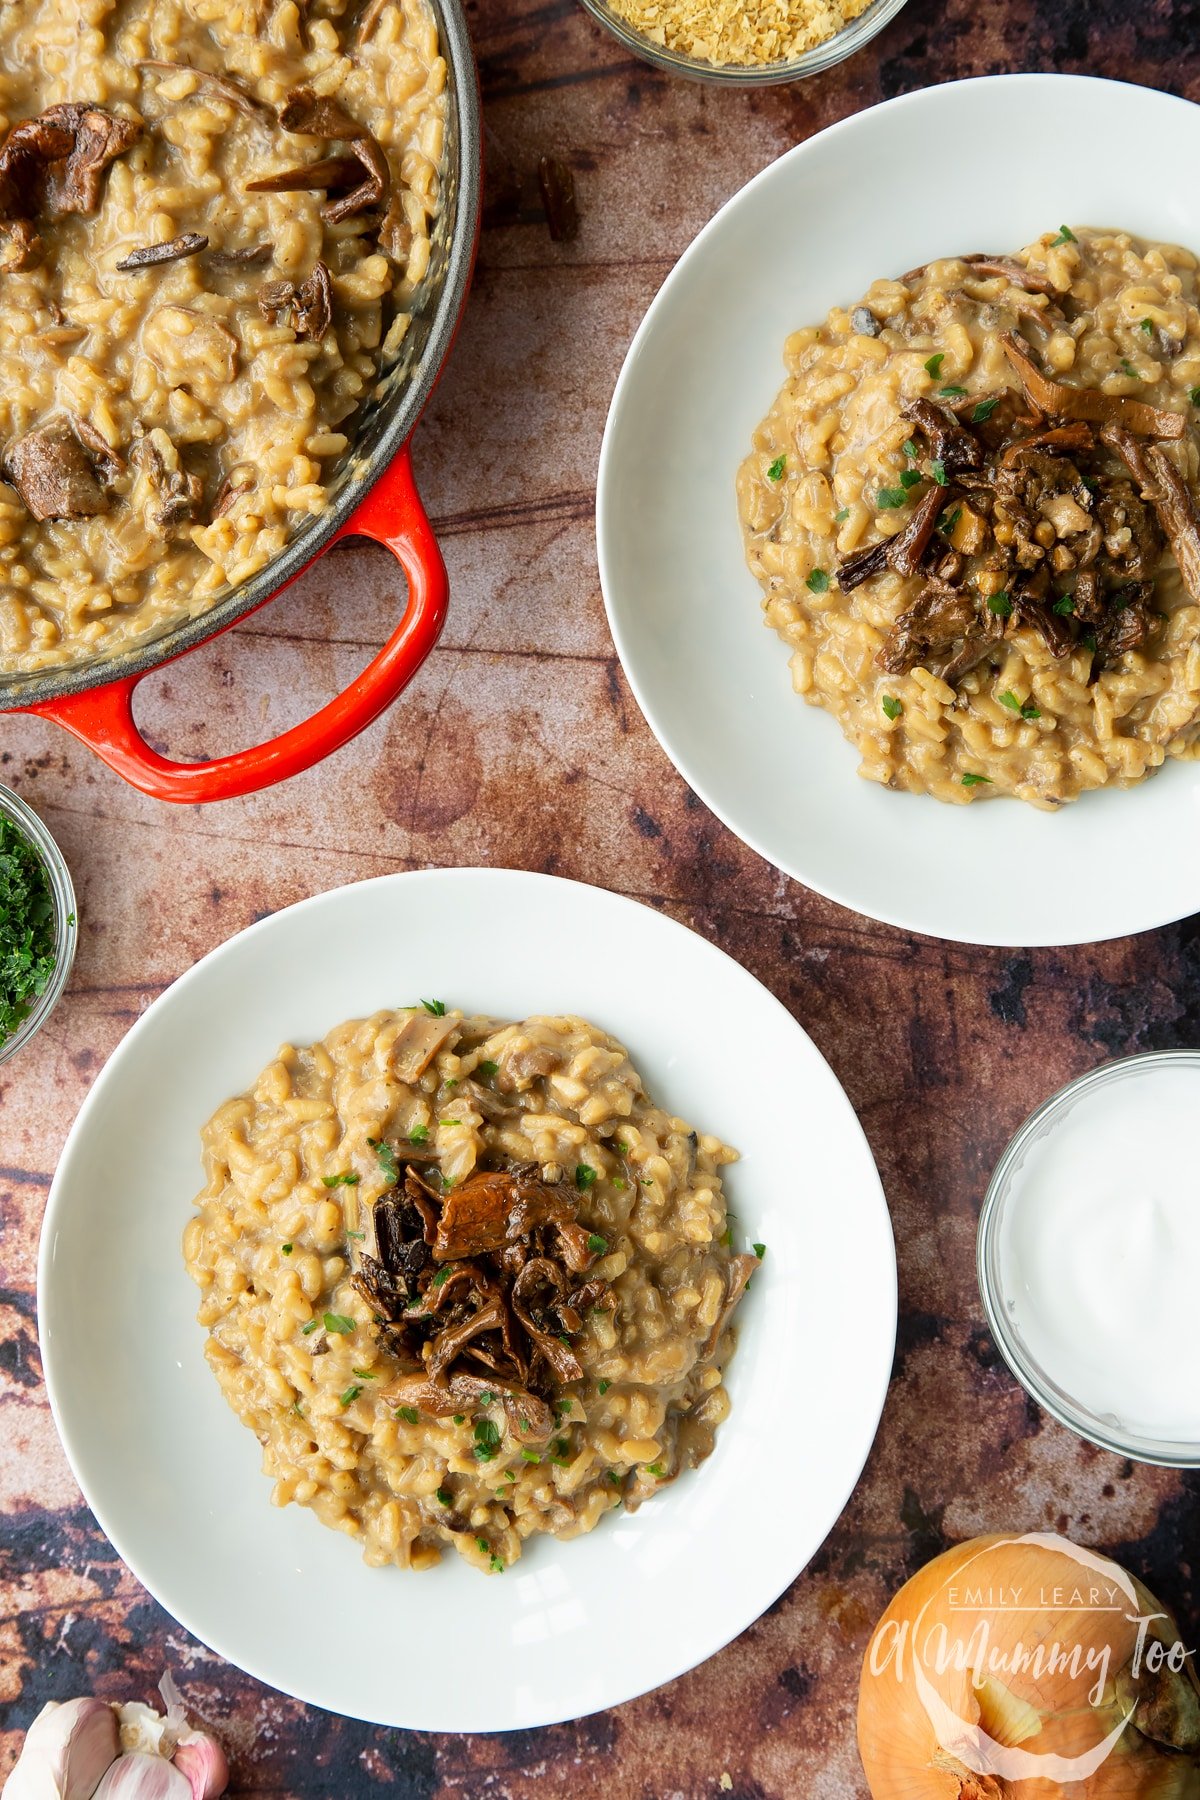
(391, 514)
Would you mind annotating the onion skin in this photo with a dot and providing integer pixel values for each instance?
(1025, 1715)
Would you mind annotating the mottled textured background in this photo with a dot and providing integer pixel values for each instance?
(520, 744)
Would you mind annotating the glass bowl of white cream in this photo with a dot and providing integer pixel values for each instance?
(1089, 1256)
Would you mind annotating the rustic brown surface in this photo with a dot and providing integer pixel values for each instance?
(520, 744)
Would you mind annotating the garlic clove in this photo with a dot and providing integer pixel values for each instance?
(66, 1752)
(144, 1729)
(141, 1777)
(202, 1760)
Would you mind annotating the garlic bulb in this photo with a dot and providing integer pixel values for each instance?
(138, 1776)
(66, 1751)
(201, 1759)
(1028, 1668)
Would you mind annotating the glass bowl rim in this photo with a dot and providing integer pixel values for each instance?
(66, 917)
(1160, 1452)
(825, 55)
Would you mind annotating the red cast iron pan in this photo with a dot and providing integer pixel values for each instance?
(374, 497)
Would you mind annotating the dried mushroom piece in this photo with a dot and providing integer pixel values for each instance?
(148, 256)
(365, 174)
(62, 470)
(225, 87)
(176, 495)
(308, 308)
(52, 165)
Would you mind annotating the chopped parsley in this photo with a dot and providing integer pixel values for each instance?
(287, 1249)
(449, 1121)
(888, 499)
(934, 365)
(655, 1469)
(818, 582)
(488, 1068)
(597, 1245)
(356, 1234)
(351, 1394)
(613, 1477)
(486, 1398)
(313, 1325)
(952, 392)
(983, 409)
(1088, 640)
(1000, 604)
(618, 1182)
(497, 1565)
(911, 478)
(387, 1159)
(487, 1439)
(910, 450)
(1027, 711)
(726, 1237)
(948, 521)
(760, 1250)
(338, 1324)
(1064, 606)
(419, 1134)
(27, 955)
(603, 1386)
(892, 709)
(460, 1418)
(1148, 327)
(1134, 374)
(409, 1414)
(482, 1544)
(839, 518)
(974, 780)
(938, 470)
(620, 1148)
(530, 1456)
(347, 1179)
(441, 1276)
(436, 1007)
(1065, 236)
(775, 472)
(584, 1177)
(444, 1495)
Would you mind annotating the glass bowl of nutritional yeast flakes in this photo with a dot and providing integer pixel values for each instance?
(37, 924)
(755, 43)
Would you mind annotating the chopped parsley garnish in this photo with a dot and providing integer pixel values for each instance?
(351, 1394)
(597, 1245)
(409, 1414)
(952, 392)
(1000, 604)
(287, 1249)
(1129, 369)
(1088, 640)
(1064, 606)
(27, 955)
(584, 1177)
(488, 1068)
(497, 1565)
(613, 1477)
(419, 1134)
(1027, 710)
(911, 478)
(563, 1407)
(818, 582)
(775, 472)
(486, 1398)
(888, 499)
(1148, 327)
(620, 1148)
(313, 1325)
(974, 780)
(436, 1007)
(618, 1182)
(983, 409)
(487, 1439)
(387, 1159)
(356, 1234)
(760, 1250)
(444, 1496)
(934, 365)
(839, 518)
(347, 1179)
(1065, 236)
(603, 1386)
(449, 1121)
(482, 1544)
(891, 706)
(726, 1236)
(338, 1324)
(655, 1469)
(910, 450)
(938, 470)
(366, 1374)
(441, 1276)
(949, 520)
(460, 1418)
(530, 1456)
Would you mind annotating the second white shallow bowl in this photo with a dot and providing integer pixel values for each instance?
(175, 1479)
(961, 167)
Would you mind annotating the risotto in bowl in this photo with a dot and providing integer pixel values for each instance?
(465, 1281)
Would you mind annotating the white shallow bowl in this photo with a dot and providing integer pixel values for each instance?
(814, 230)
(175, 1479)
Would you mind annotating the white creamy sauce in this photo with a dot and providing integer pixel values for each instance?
(1100, 1253)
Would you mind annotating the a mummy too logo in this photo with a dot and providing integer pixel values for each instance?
(1032, 1660)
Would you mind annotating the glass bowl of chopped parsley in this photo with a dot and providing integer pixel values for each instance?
(37, 923)
(743, 43)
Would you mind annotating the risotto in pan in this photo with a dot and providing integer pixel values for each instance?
(972, 512)
(465, 1281)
